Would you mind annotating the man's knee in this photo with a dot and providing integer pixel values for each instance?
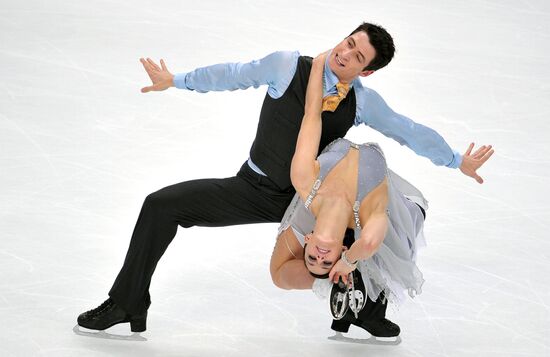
(178, 203)
(158, 200)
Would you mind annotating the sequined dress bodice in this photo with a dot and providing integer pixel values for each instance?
(372, 170)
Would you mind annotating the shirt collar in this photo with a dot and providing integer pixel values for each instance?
(330, 79)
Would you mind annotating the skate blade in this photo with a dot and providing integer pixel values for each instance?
(81, 331)
(372, 340)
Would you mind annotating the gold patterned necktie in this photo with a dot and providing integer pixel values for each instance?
(330, 103)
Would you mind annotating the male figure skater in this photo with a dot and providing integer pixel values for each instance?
(261, 189)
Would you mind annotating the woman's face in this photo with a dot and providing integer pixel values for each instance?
(320, 254)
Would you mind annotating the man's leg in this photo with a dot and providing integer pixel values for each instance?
(245, 198)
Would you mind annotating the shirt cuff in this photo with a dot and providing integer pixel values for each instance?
(456, 161)
(179, 81)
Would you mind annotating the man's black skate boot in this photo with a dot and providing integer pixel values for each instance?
(371, 318)
(109, 314)
(378, 328)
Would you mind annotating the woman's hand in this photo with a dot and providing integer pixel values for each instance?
(340, 269)
(320, 59)
(314, 94)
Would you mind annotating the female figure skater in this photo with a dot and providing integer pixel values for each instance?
(347, 186)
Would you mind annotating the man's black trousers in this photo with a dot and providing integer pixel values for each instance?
(245, 198)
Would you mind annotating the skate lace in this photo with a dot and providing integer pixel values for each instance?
(98, 310)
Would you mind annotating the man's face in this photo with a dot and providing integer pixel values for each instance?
(350, 56)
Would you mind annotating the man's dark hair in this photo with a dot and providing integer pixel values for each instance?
(317, 276)
(382, 42)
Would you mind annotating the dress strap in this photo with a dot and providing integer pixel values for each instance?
(356, 206)
(357, 203)
(313, 192)
(371, 171)
(357, 229)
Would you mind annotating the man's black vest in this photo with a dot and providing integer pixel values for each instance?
(280, 121)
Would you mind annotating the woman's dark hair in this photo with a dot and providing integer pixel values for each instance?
(382, 42)
(317, 276)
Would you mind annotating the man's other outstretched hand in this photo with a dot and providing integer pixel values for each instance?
(160, 76)
(472, 162)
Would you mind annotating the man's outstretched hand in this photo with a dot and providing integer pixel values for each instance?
(160, 76)
(472, 162)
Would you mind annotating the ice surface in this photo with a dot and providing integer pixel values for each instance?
(80, 148)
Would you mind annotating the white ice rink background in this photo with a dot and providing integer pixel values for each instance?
(81, 147)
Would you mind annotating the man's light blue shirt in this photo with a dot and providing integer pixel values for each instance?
(277, 69)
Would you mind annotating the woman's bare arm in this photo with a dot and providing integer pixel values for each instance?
(287, 268)
(303, 167)
(374, 222)
(374, 226)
